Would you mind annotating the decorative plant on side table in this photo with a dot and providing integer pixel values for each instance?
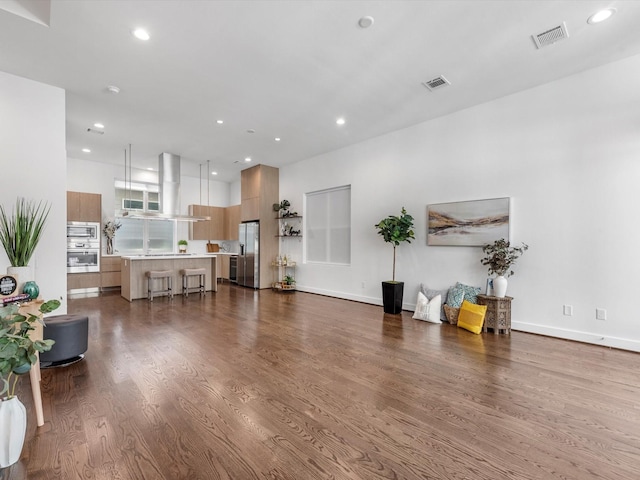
(109, 231)
(500, 257)
(395, 230)
(17, 355)
(20, 232)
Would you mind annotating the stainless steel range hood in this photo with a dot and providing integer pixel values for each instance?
(169, 193)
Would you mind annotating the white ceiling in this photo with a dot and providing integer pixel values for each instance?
(289, 68)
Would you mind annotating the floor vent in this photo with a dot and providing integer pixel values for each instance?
(551, 36)
(436, 83)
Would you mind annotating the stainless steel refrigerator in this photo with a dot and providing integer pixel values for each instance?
(249, 257)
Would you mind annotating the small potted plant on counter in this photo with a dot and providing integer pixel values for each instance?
(395, 230)
(182, 246)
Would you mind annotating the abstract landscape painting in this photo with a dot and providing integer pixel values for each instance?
(473, 223)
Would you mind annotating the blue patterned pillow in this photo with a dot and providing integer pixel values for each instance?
(455, 296)
(470, 293)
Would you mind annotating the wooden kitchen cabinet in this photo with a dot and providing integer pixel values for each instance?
(260, 187)
(231, 221)
(84, 207)
(83, 280)
(110, 272)
(213, 229)
(222, 267)
(250, 182)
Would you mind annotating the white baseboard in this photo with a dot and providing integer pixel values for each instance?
(575, 335)
(578, 336)
(345, 296)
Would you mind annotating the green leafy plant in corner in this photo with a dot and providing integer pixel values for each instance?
(21, 229)
(182, 242)
(501, 256)
(396, 230)
(289, 280)
(17, 350)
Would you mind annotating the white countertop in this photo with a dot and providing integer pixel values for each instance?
(174, 256)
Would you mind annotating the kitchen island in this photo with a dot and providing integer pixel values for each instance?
(134, 268)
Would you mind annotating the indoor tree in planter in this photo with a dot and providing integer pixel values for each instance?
(395, 230)
(500, 257)
(20, 232)
(18, 352)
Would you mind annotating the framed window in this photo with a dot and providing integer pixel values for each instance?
(139, 236)
(328, 226)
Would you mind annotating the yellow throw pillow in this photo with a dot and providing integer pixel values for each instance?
(471, 316)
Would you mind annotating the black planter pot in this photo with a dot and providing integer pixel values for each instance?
(392, 296)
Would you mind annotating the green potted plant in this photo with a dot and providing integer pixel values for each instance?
(182, 246)
(500, 257)
(395, 230)
(18, 352)
(20, 232)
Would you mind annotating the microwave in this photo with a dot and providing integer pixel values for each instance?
(83, 235)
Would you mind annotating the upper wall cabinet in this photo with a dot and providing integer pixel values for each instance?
(84, 207)
(231, 221)
(213, 229)
(259, 187)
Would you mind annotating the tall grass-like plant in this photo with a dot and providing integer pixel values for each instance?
(21, 229)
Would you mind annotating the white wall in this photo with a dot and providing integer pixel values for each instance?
(33, 157)
(567, 153)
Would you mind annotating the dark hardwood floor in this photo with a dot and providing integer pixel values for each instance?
(261, 385)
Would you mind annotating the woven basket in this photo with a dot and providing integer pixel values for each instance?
(452, 314)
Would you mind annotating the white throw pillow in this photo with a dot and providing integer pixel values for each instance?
(428, 310)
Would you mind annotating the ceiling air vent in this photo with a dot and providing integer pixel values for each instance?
(551, 36)
(436, 83)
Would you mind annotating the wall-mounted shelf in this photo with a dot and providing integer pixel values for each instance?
(285, 229)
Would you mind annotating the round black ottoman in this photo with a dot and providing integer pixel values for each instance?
(71, 333)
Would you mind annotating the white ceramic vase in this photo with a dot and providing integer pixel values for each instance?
(23, 275)
(500, 286)
(13, 427)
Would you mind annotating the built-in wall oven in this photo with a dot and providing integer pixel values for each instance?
(83, 247)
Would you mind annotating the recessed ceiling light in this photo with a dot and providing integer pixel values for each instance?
(86, 150)
(247, 159)
(141, 34)
(98, 125)
(219, 122)
(113, 89)
(601, 16)
(214, 173)
(340, 121)
(365, 22)
(277, 139)
(150, 169)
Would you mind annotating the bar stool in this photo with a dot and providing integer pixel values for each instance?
(192, 272)
(159, 275)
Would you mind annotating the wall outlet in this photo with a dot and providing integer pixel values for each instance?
(601, 314)
(567, 310)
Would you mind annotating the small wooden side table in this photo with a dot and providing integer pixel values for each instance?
(498, 315)
(33, 307)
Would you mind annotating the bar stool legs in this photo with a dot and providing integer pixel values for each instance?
(193, 272)
(163, 276)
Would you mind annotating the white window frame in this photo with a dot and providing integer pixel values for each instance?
(329, 227)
